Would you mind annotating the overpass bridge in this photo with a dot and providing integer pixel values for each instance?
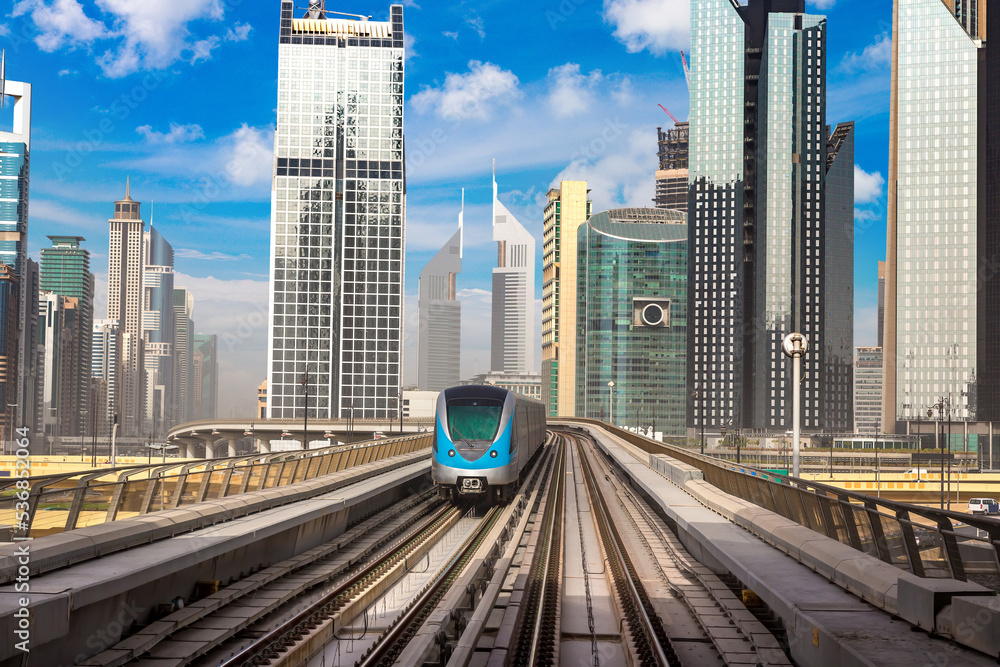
(617, 548)
(212, 437)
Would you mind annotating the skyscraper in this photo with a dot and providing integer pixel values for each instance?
(632, 318)
(942, 298)
(65, 270)
(440, 323)
(106, 369)
(513, 339)
(125, 274)
(59, 322)
(158, 331)
(205, 366)
(31, 355)
(15, 162)
(183, 354)
(881, 304)
(568, 208)
(762, 236)
(337, 221)
(672, 175)
(10, 294)
(868, 391)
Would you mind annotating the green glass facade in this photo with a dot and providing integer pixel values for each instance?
(632, 318)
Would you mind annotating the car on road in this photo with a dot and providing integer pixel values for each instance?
(378, 435)
(984, 506)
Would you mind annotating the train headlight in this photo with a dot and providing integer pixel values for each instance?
(493, 453)
(451, 452)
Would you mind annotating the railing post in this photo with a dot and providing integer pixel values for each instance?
(910, 542)
(878, 533)
(951, 551)
(850, 522)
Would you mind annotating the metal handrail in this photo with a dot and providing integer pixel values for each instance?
(882, 528)
(57, 502)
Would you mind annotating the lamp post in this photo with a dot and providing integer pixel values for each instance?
(305, 412)
(611, 403)
(399, 406)
(795, 345)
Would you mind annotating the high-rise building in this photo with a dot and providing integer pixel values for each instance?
(10, 294)
(672, 174)
(65, 270)
(881, 304)
(262, 400)
(440, 316)
(183, 354)
(107, 371)
(205, 364)
(337, 221)
(59, 320)
(568, 207)
(125, 294)
(632, 318)
(31, 355)
(513, 337)
(868, 391)
(766, 226)
(942, 298)
(158, 331)
(15, 162)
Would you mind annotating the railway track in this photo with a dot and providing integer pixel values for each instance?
(729, 633)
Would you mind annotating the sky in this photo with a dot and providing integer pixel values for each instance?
(180, 96)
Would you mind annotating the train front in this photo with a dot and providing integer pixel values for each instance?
(472, 440)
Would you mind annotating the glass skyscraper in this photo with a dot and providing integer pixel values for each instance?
(337, 220)
(439, 334)
(632, 318)
(512, 347)
(770, 223)
(942, 297)
(158, 331)
(65, 270)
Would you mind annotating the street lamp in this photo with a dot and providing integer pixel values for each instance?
(611, 403)
(795, 346)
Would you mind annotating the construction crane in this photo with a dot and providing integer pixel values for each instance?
(687, 70)
(669, 114)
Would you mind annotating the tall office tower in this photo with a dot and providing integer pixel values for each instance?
(672, 175)
(65, 270)
(567, 209)
(158, 331)
(337, 220)
(125, 274)
(10, 294)
(868, 391)
(31, 355)
(760, 261)
(183, 353)
(513, 339)
(59, 321)
(440, 325)
(206, 376)
(942, 298)
(881, 303)
(107, 371)
(632, 318)
(15, 159)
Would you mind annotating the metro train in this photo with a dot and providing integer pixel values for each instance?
(484, 437)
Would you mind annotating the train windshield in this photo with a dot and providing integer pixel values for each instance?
(474, 418)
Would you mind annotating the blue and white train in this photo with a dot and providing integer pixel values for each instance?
(484, 437)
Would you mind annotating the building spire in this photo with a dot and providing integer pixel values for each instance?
(128, 187)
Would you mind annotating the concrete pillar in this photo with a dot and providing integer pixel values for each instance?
(264, 445)
(187, 449)
(232, 445)
(209, 454)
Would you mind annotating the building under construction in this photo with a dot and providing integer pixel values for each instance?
(672, 175)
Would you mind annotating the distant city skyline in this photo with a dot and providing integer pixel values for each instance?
(583, 112)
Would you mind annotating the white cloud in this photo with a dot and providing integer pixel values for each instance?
(67, 72)
(453, 35)
(470, 95)
(62, 23)
(4, 29)
(618, 169)
(572, 92)
(476, 23)
(408, 43)
(239, 32)
(867, 186)
(876, 55)
(178, 134)
(59, 216)
(202, 49)
(822, 5)
(250, 155)
(215, 256)
(656, 25)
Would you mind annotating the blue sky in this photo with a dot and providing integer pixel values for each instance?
(181, 94)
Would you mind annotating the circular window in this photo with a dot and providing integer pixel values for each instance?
(652, 315)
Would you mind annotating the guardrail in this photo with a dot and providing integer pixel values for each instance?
(59, 503)
(921, 540)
